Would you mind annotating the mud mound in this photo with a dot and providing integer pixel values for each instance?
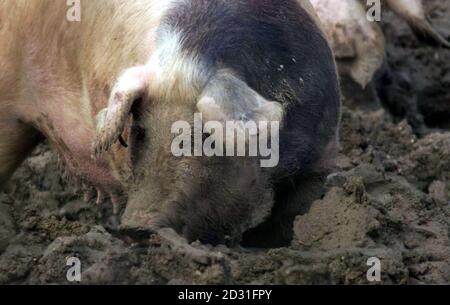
(389, 199)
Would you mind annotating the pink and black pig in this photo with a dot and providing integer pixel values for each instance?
(106, 89)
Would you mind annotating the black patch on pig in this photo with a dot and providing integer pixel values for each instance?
(278, 50)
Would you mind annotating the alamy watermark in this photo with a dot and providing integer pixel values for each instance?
(73, 274)
(231, 139)
(374, 272)
(73, 10)
(374, 10)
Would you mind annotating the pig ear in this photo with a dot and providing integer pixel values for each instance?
(131, 85)
(226, 98)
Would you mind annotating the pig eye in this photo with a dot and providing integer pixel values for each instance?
(136, 140)
(139, 134)
(137, 129)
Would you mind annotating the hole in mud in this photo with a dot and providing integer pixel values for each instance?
(292, 199)
(275, 232)
(434, 104)
(266, 237)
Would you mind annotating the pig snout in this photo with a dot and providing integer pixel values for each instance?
(216, 205)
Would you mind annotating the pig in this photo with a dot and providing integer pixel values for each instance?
(414, 13)
(106, 90)
(358, 43)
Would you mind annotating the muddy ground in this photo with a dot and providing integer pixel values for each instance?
(389, 199)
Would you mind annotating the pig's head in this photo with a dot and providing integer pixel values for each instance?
(211, 199)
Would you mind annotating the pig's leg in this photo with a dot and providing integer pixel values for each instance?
(16, 142)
